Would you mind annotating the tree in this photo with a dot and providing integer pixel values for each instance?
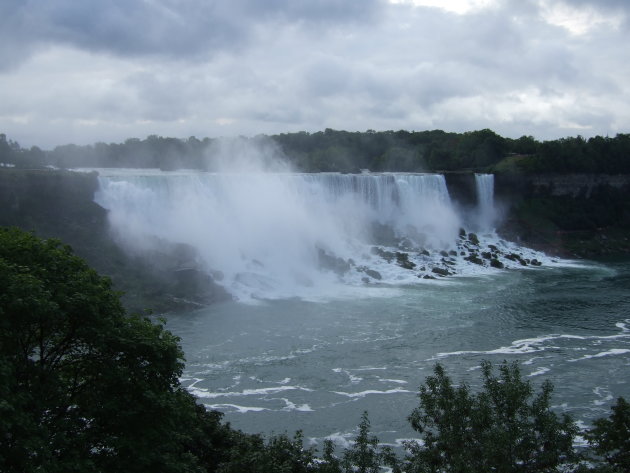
(611, 437)
(503, 428)
(83, 385)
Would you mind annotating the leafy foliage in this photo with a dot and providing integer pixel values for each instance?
(85, 387)
(343, 151)
(611, 437)
(503, 428)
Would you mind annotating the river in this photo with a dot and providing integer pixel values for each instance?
(283, 365)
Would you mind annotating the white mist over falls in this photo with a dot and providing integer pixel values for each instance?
(269, 235)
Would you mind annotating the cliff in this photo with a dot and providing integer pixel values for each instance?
(60, 204)
(585, 215)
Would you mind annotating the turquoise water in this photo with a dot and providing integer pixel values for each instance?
(284, 365)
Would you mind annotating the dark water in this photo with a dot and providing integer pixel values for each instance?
(284, 365)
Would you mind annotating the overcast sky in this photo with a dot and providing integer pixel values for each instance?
(106, 70)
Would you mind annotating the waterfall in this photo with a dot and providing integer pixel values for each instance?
(277, 235)
(484, 184)
(268, 231)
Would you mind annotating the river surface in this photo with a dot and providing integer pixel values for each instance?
(288, 364)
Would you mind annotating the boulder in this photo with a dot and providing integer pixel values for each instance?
(495, 263)
(441, 271)
(333, 263)
(402, 259)
(473, 258)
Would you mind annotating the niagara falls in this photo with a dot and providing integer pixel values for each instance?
(315, 236)
(345, 290)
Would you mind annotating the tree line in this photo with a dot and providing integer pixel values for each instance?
(86, 387)
(343, 151)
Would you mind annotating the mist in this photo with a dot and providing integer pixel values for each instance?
(263, 231)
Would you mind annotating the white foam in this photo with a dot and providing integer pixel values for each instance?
(340, 439)
(236, 407)
(395, 381)
(604, 396)
(539, 371)
(353, 379)
(290, 406)
(611, 352)
(371, 391)
(526, 345)
(402, 442)
(204, 393)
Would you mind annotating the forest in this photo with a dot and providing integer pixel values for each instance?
(343, 151)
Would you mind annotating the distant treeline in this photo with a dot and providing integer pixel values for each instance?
(343, 151)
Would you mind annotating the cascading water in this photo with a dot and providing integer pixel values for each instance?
(278, 235)
(484, 184)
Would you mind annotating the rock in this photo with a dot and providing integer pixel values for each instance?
(473, 258)
(370, 272)
(495, 263)
(486, 254)
(386, 255)
(441, 271)
(428, 276)
(473, 239)
(535, 262)
(452, 253)
(402, 260)
(333, 263)
(444, 253)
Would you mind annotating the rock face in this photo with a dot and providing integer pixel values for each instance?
(567, 214)
(59, 204)
(461, 188)
(576, 185)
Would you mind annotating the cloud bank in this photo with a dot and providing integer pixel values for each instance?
(108, 70)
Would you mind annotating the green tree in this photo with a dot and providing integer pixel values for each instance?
(363, 456)
(611, 437)
(278, 454)
(84, 386)
(504, 428)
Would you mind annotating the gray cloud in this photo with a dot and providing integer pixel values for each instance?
(172, 28)
(107, 70)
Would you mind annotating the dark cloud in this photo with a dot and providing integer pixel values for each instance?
(175, 28)
(219, 68)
